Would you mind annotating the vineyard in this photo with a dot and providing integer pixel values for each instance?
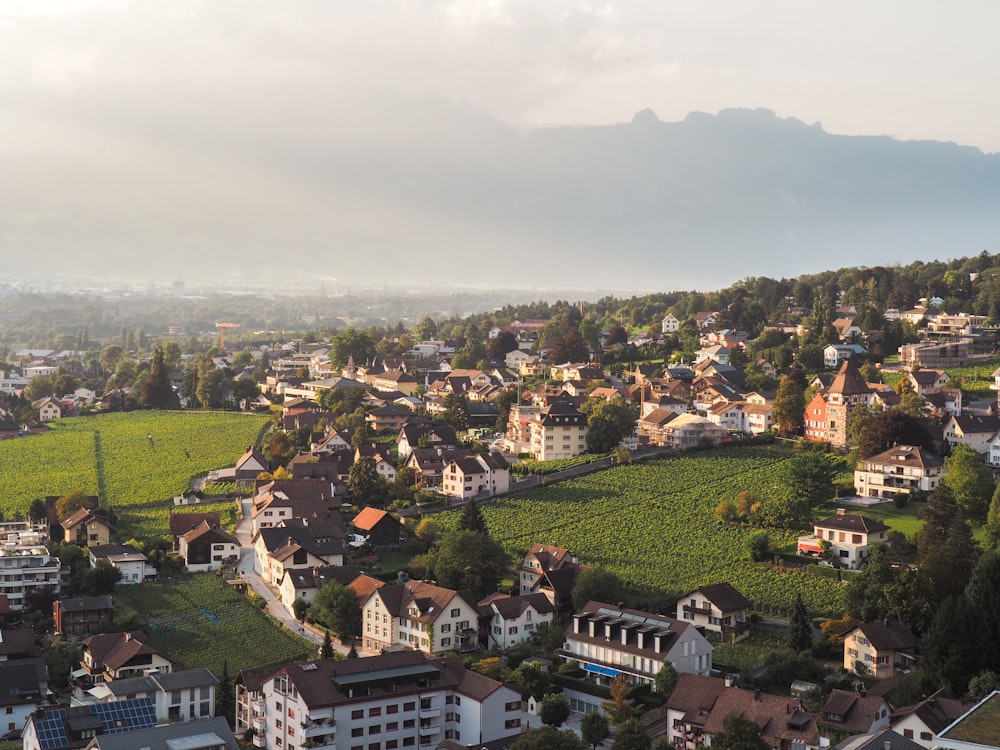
(199, 622)
(134, 459)
(530, 466)
(653, 525)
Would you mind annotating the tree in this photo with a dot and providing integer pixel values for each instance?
(554, 710)
(100, 579)
(609, 421)
(532, 678)
(983, 593)
(631, 735)
(809, 477)
(364, 482)
(596, 584)
(619, 708)
(467, 560)
(970, 481)
(594, 729)
(739, 734)
(471, 519)
(427, 530)
(71, 502)
(799, 635)
(337, 607)
(156, 392)
(351, 343)
(666, 679)
(503, 344)
(37, 510)
(946, 551)
(991, 538)
(950, 649)
(758, 546)
(225, 696)
(889, 428)
(326, 650)
(789, 407)
(980, 686)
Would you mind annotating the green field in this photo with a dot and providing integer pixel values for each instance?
(132, 460)
(653, 524)
(200, 622)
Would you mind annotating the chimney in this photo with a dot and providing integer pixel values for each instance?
(841, 512)
(730, 680)
(887, 745)
(756, 694)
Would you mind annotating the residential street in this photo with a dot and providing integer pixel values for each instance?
(245, 567)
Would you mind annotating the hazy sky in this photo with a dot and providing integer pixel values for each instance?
(122, 121)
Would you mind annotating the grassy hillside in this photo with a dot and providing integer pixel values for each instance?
(653, 524)
(132, 460)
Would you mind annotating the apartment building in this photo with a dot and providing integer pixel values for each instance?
(26, 567)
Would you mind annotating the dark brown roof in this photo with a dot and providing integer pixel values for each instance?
(182, 523)
(906, 455)
(208, 531)
(430, 600)
(116, 649)
(18, 641)
(695, 695)
(84, 604)
(849, 710)
(723, 596)
(936, 712)
(887, 635)
(512, 607)
(851, 522)
(848, 381)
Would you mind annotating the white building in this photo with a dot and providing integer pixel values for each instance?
(134, 565)
(847, 537)
(394, 701)
(25, 568)
(513, 619)
(477, 474)
(187, 695)
(902, 468)
(422, 616)
(607, 641)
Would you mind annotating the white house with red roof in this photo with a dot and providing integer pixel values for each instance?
(847, 537)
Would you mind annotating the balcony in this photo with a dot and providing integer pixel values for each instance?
(706, 611)
(259, 740)
(429, 713)
(320, 743)
(317, 728)
(259, 724)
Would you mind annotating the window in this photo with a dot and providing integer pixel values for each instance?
(375, 711)
(409, 724)
(512, 706)
(375, 746)
(358, 714)
(512, 724)
(375, 729)
(391, 744)
(358, 732)
(392, 708)
(392, 726)
(425, 704)
(458, 700)
(411, 706)
(446, 628)
(456, 612)
(512, 630)
(408, 742)
(204, 695)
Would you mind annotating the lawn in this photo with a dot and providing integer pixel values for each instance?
(199, 622)
(751, 653)
(138, 459)
(653, 524)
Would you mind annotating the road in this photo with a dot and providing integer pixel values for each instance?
(275, 608)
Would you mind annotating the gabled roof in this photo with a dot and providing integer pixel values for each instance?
(182, 523)
(430, 600)
(936, 711)
(85, 603)
(972, 423)
(851, 710)
(512, 607)
(722, 595)
(883, 739)
(369, 518)
(906, 455)
(887, 635)
(115, 650)
(15, 641)
(208, 532)
(851, 522)
(926, 378)
(83, 515)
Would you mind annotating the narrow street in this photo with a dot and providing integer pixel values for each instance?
(245, 568)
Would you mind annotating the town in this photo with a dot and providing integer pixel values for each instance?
(763, 517)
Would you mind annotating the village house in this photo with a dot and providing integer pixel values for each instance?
(974, 430)
(182, 523)
(132, 563)
(510, 620)
(86, 529)
(924, 721)
(17, 643)
(27, 567)
(881, 648)
(25, 689)
(827, 421)
(719, 608)
(297, 543)
(475, 475)
(422, 616)
(902, 468)
(49, 409)
(378, 528)
(413, 436)
(183, 696)
(82, 616)
(848, 712)
(607, 641)
(550, 570)
(845, 537)
(670, 324)
(834, 354)
(976, 729)
(556, 431)
(925, 381)
(305, 583)
(207, 547)
(699, 706)
(73, 727)
(112, 656)
(405, 699)
(687, 430)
